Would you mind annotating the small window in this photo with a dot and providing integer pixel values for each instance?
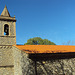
(6, 29)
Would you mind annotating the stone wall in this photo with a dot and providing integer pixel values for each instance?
(7, 39)
(28, 66)
(6, 60)
(25, 65)
(6, 70)
(56, 67)
(17, 61)
(6, 56)
(22, 64)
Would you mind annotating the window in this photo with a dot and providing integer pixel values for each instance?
(6, 29)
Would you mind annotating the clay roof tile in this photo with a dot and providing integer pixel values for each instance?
(46, 48)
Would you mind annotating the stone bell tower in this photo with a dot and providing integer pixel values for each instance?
(7, 40)
(7, 28)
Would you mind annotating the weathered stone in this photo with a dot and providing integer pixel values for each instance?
(6, 71)
(6, 42)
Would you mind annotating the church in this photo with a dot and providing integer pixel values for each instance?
(31, 59)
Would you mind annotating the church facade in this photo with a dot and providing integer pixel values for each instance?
(31, 59)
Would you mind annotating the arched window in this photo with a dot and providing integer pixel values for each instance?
(6, 29)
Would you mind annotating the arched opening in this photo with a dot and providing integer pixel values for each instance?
(6, 29)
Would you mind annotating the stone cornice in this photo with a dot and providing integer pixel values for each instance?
(4, 18)
(5, 46)
(7, 36)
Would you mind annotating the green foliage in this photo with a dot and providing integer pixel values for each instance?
(38, 41)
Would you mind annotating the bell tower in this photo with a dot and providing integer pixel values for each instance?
(7, 28)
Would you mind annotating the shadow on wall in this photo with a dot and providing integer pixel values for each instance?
(53, 63)
(49, 56)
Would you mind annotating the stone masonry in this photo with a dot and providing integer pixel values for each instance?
(24, 65)
(7, 25)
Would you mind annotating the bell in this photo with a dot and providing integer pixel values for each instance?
(6, 30)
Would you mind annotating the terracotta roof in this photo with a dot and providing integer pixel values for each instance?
(46, 48)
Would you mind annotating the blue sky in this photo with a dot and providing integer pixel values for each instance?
(49, 19)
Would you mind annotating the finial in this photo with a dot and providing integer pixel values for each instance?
(14, 15)
(5, 6)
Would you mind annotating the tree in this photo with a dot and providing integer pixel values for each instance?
(38, 41)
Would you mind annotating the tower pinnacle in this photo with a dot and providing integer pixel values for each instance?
(5, 12)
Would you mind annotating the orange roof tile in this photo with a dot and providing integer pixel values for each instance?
(46, 48)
